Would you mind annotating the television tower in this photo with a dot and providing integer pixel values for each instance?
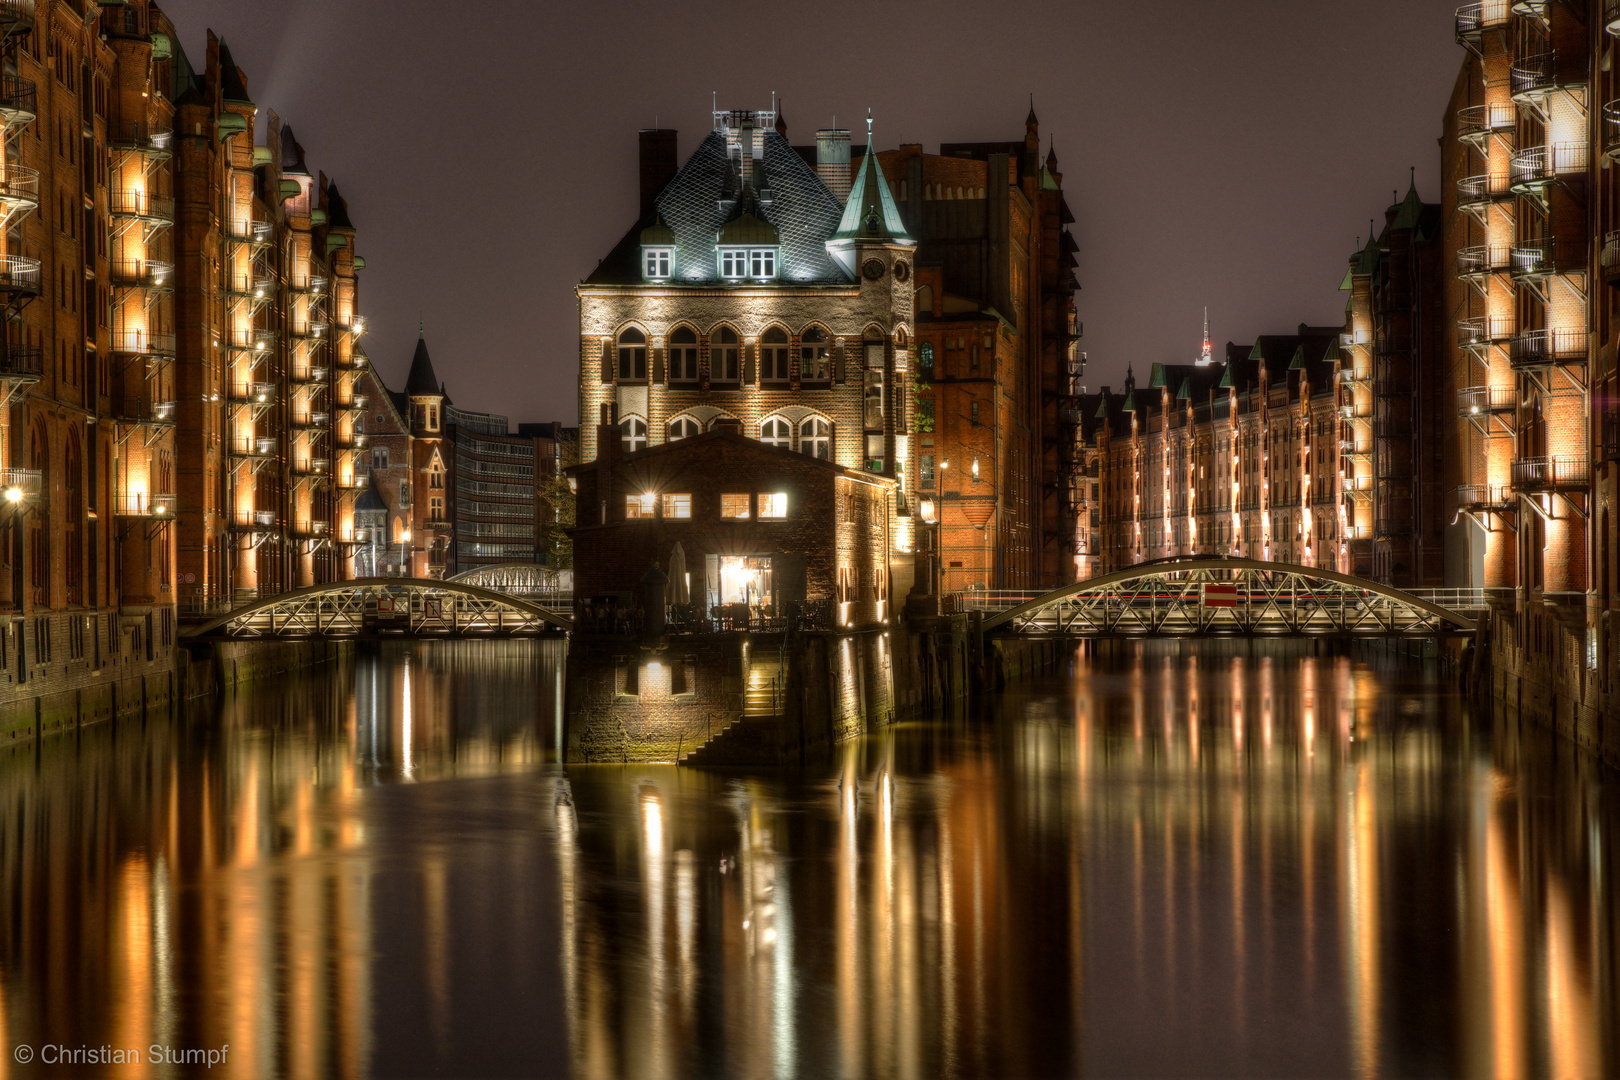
(1207, 354)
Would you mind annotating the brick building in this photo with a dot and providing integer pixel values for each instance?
(998, 423)
(749, 291)
(760, 526)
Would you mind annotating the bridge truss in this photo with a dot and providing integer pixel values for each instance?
(1220, 596)
(414, 607)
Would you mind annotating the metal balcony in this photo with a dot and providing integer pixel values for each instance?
(311, 420)
(1611, 16)
(354, 440)
(21, 363)
(1479, 333)
(253, 286)
(19, 190)
(1609, 435)
(141, 204)
(1350, 376)
(1609, 257)
(1483, 260)
(19, 103)
(1485, 400)
(1533, 168)
(142, 343)
(148, 274)
(142, 504)
(358, 358)
(1544, 348)
(353, 481)
(18, 485)
(140, 411)
(313, 528)
(355, 403)
(1532, 78)
(253, 233)
(1550, 474)
(140, 138)
(1543, 256)
(313, 374)
(253, 393)
(254, 520)
(16, 17)
(313, 466)
(1475, 122)
(315, 329)
(1478, 192)
(315, 283)
(261, 447)
(1473, 19)
(19, 277)
(1482, 498)
(1531, 9)
(251, 339)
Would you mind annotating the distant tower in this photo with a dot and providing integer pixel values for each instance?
(1207, 354)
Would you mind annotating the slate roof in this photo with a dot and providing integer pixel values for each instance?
(704, 195)
(369, 499)
(421, 381)
(231, 85)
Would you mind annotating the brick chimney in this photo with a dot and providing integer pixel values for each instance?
(658, 165)
(745, 138)
(832, 160)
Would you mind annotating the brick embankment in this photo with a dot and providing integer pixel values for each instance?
(1543, 671)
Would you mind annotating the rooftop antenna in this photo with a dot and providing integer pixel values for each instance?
(869, 129)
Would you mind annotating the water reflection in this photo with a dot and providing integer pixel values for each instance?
(1172, 862)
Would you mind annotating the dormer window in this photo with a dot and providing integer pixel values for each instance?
(733, 263)
(762, 263)
(657, 262)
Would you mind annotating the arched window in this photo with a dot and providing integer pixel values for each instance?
(632, 355)
(633, 434)
(773, 356)
(815, 438)
(815, 358)
(683, 427)
(775, 431)
(725, 356)
(683, 355)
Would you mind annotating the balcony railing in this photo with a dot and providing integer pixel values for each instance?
(250, 339)
(255, 519)
(257, 286)
(354, 440)
(1475, 121)
(1473, 191)
(1543, 256)
(1479, 497)
(1543, 348)
(257, 233)
(1609, 257)
(143, 504)
(1611, 16)
(1351, 375)
(1609, 435)
(355, 403)
(1484, 259)
(253, 393)
(1538, 165)
(260, 447)
(138, 410)
(1486, 330)
(142, 342)
(1532, 76)
(353, 481)
(22, 363)
(17, 485)
(1352, 484)
(314, 466)
(143, 274)
(312, 420)
(1475, 18)
(19, 274)
(1484, 400)
(140, 203)
(1550, 473)
(19, 103)
(358, 358)
(315, 283)
(314, 373)
(140, 138)
(313, 528)
(19, 188)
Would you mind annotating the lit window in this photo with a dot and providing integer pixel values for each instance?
(734, 505)
(973, 412)
(773, 356)
(725, 356)
(678, 506)
(815, 438)
(925, 471)
(683, 355)
(874, 453)
(762, 263)
(436, 508)
(633, 434)
(815, 359)
(874, 398)
(683, 427)
(773, 504)
(776, 431)
(632, 354)
(733, 263)
(925, 354)
(639, 506)
(658, 262)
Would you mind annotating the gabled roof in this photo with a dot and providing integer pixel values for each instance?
(705, 194)
(421, 382)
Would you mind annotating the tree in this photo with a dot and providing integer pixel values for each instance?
(558, 508)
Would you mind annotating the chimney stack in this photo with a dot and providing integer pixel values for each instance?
(745, 141)
(832, 160)
(658, 165)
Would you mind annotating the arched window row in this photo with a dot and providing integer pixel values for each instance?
(776, 351)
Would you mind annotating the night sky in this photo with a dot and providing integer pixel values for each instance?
(1226, 153)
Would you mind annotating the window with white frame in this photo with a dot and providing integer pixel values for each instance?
(775, 431)
(633, 434)
(632, 355)
(815, 438)
(733, 263)
(725, 356)
(683, 355)
(773, 355)
(657, 262)
(683, 427)
(762, 263)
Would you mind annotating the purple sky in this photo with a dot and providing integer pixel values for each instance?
(1224, 153)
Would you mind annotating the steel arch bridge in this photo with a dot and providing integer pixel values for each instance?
(1226, 596)
(518, 579)
(414, 607)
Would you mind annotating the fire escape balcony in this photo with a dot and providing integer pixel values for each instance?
(253, 393)
(253, 521)
(1354, 412)
(314, 284)
(1532, 78)
(19, 191)
(19, 278)
(19, 485)
(1483, 260)
(1550, 474)
(21, 363)
(1486, 400)
(1477, 193)
(1476, 122)
(134, 342)
(1544, 348)
(354, 440)
(314, 530)
(1611, 16)
(137, 413)
(1534, 259)
(311, 421)
(1350, 376)
(357, 358)
(255, 234)
(19, 103)
(1609, 257)
(1482, 332)
(313, 466)
(353, 481)
(1482, 498)
(1530, 170)
(141, 205)
(314, 330)
(356, 403)
(142, 504)
(147, 274)
(1357, 487)
(257, 447)
(16, 17)
(255, 286)
(311, 375)
(1609, 434)
(251, 339)
(1473, 19)
(150, 141)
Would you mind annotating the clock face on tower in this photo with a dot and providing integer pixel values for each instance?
(902, 270)
(872, 269)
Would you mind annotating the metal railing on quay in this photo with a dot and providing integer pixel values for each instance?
(1453, 599)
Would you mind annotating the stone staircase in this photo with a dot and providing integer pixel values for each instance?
(735, 742)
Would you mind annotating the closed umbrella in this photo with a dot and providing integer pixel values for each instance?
(678, 591)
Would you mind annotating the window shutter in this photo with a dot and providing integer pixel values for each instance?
(607, 361)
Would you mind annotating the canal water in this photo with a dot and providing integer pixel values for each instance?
(1167, 862)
